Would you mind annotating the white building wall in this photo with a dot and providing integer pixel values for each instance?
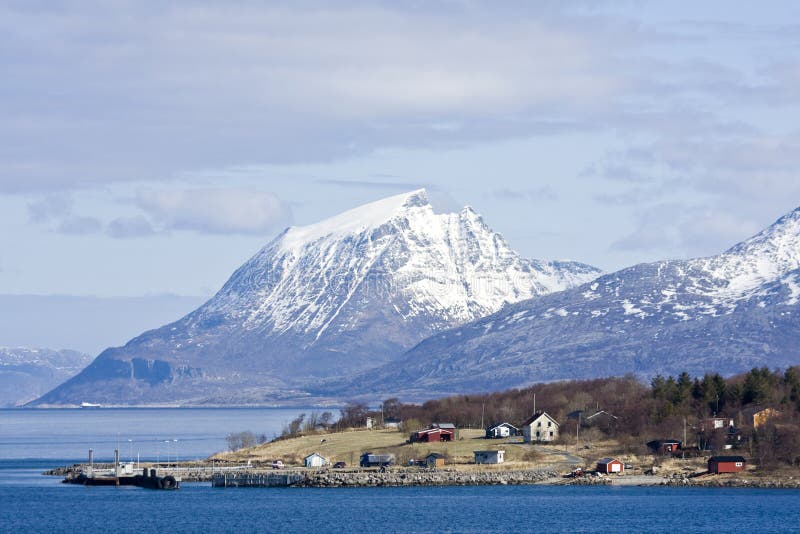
(545, 432)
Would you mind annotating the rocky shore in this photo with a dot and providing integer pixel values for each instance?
(328, 479)
(711, 481)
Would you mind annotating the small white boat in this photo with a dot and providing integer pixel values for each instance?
(89, 405)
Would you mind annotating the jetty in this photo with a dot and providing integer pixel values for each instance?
(121, 475)
(256, 480)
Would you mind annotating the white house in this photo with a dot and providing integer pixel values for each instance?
(315, 460)
(501, 430)
(391, 422)
(539, 427)
(489, 457)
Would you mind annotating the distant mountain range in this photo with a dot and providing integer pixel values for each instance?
(27, 373)
(725, 313)
(339, 297)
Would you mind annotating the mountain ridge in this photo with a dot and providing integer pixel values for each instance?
(27, 372)
(345, 294)
(727, 312)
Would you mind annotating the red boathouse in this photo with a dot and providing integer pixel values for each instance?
(726, 464)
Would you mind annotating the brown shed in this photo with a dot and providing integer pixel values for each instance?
(434, 459)
(726, 464)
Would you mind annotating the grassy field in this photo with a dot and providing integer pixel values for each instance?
(348, 447)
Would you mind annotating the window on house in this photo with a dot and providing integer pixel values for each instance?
(551, 434)
(549, 424)
(539, 424)
(537, 433)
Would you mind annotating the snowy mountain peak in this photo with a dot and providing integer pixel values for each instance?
(766, 257)
(781, 238)
(450, 267)
(356, 220)
(349, 293)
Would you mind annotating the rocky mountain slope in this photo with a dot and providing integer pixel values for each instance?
(725, 313)
(26, 373)
(347, 294)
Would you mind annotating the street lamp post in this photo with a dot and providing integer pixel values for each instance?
(176, 453)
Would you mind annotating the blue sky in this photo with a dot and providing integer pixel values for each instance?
(151, 148)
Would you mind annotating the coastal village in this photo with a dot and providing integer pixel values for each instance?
(638, 435)
(502, 452)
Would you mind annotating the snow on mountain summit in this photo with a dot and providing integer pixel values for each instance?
(352, 221)
(765, 257)
(449, 267)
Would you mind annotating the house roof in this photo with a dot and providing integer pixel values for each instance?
(434, 430)
(448, 426)
(726, 459)
(607, 460)
(601, 412)
(435, 455)
(314, 454)
(489, 452)
(537, 415)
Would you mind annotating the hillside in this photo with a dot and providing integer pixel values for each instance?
(728, 312)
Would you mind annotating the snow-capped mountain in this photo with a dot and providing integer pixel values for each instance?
(725, 313)
(26, 373)
(347, 294)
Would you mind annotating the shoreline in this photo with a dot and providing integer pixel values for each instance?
(407, 477)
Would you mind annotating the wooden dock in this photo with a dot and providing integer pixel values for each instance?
(255, 480)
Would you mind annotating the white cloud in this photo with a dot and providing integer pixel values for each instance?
(215, 210)
(50, 207)
(77, 225)
(148, 90)
(691, 231)
(129, 227)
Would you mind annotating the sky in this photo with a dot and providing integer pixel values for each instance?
(150, 148)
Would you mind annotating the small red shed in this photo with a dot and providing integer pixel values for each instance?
(726, 464)
(610, 466)
(665, 446)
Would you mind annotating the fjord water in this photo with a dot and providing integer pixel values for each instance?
(34, 440)
(68, 434)
(52, 507)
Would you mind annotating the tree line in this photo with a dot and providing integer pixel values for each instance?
(666, 407)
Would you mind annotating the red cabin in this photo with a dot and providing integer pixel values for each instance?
(610, 466)
(726, 464)
(432, 435)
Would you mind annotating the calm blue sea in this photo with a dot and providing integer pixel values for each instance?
(30, 502)
(148, 432)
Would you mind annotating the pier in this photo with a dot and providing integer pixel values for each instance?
(119, 475)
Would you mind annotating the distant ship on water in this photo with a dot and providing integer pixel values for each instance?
(89, 405)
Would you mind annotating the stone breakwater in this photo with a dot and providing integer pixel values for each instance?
(328, 479)
(715, 482)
